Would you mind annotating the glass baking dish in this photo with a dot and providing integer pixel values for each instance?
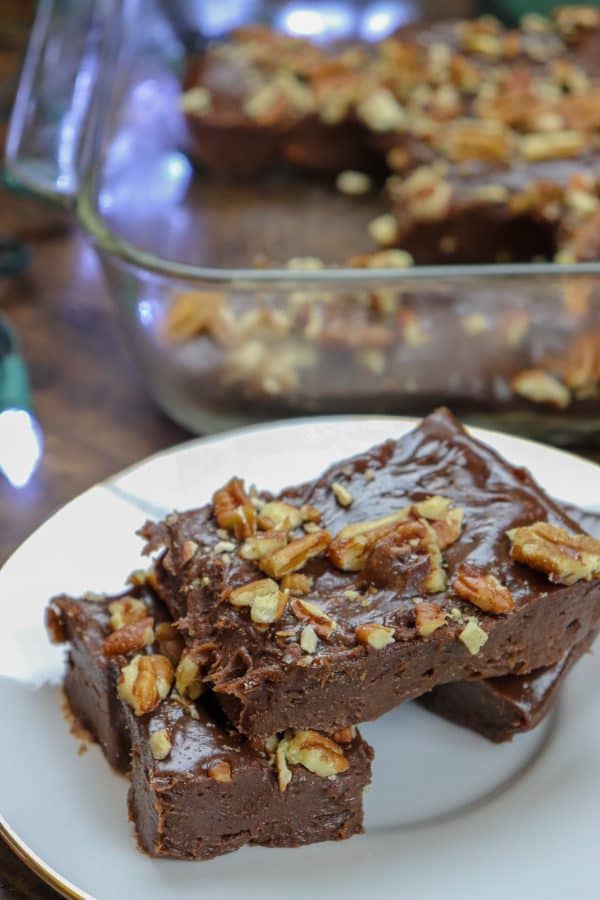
(235, 295)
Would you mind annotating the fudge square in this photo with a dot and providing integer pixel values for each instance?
(198, 789)
(423, 561)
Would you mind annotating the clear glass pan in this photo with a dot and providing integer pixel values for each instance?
(223, 331)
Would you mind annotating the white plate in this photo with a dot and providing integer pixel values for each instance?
(448, 816)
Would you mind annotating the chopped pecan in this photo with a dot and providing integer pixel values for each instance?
(234, 511)
(304, 610)
(473, 637)
(483, 590)
(345, 735)
(308, 639)
(541, 387)
(266, 601)
(408, 556)
(297, 584)
(296, 554)
(564, 557)
(194, 313)
(553, 145)
(126, 611)
(316, 752)
(263, 544)
(279, 516)
(428, 618)
(145, 681)
(477, 139)
(375, 635)
(445, 519)
(188, 680)
(342, 494)
(160, 744)
(220, 771)
(131, 637)
(188, 551)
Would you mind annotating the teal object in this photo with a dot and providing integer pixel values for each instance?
(14, 381)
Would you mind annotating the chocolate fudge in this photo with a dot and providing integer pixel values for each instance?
(197, 788)
(499, 708)
(424, 561)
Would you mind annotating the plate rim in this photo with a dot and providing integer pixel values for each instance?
(22, 850)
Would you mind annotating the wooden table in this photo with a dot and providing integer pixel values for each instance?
(93, 409)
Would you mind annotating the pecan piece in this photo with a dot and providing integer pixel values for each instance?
(375, 635)
(193, 313)
(279, 516)
(541, 387)
(188, 680)
(55, 626)
(170, 642)
(126, 611)
(266, 601)
(304, 611)
(296, 554)
(564, 557)
(316, 752)
(160, 744)
(297, 584)
(473, 637)
(233, 509)
(483, 590)
(264, 543)
(220, 771)
(144, 682)
(409, 556)
(428, 618)
(131, 637)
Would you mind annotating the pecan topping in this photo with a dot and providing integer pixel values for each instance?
(279, 516)
(375, 635)
(483, 590)
(345, 735)
(263, 544)
(193, 313)
(541, 387)
(187, 677)
(266, 601)
(131, 637)
(144, 682)
(351, 546)
(486, 140)
(407, 556)
(297, 584)
(428, 618)
(234, 511)
(220, 771)
(564, 557)
(308, 639)
(473, 637)
(553, 145)
(342, 494)
(296, 554)
(316, 752)
(188, 551)
(126, 611)
(160, 744)
(304, 610)
(170, 642)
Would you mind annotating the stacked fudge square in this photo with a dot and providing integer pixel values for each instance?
(229, 679)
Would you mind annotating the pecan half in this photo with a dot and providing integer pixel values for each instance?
(304, 611)
(234, 511)
(296, 554)
(375, 635)
(144, 682)
(131, 637)
(126, 611)
(564, 557)
(483, 590)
